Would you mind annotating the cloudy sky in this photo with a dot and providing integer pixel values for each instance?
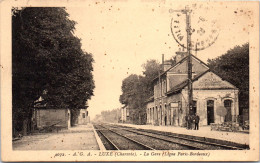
(122, 35)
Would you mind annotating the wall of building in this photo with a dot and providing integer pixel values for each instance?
(160, 110)
(174, 112)
(218, 96)
(210, 92)
(178, 73)
(83, 117)
(150, 112)
(48, 117)
(209, 88)
(123, 114)
(163, 111)
(212, 87)
(160, 88)
(69, 117)
(175, 107)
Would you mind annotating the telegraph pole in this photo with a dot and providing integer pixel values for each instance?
(178, 36)
(187, 12)
(188, 30)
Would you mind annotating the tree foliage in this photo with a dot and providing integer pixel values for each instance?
(47, 57)
(111, 116)
(233, 66)
(151, 70)
(136, 89)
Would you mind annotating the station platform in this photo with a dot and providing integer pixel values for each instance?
(204, 131)
(81, 137)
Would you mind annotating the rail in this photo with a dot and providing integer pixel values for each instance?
(171, 135)
(131, 140)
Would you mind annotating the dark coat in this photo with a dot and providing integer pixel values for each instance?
(197, 119)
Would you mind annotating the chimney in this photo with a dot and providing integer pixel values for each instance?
(162, 65)
(180, 55)
(167, 65)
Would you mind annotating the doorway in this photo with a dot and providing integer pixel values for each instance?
(227, 105)
(165, 115)
(161, 116)
(157, 115)
(170, 116)
(210, 111)
(153, 116)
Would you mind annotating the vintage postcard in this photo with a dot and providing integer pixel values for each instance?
(121, 80)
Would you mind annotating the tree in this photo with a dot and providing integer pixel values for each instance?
(47, 57)
(137, 89)
(111, 116)
(151, 71)
(233, 66)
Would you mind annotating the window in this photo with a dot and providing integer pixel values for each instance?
(83, 115)
(227, 103)
(164, 86)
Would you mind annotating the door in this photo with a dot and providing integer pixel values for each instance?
(227, 105)
(170, 116)
(210, 111)
(161, 116)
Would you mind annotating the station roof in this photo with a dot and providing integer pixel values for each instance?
(182, 60)
(150, 99)
(183, 84)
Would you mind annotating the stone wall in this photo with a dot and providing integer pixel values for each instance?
(176, 113)
(48, 117)
(218, 96)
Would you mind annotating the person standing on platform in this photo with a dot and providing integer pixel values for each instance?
(189, 122)
(197, 120)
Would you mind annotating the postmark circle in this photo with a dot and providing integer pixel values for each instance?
(204, 29)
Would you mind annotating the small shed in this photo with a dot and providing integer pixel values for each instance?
(51, 117)
(46, 117)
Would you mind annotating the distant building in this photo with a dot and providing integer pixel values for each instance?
(83, 117)
(211, 93)
(124, 114)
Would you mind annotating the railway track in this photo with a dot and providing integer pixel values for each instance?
(191, 143)
(209, 145)
(165, 141)
(115, 141)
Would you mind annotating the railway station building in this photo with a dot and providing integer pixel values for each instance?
(212, 95)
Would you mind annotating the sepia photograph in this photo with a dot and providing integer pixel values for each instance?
(119, 80)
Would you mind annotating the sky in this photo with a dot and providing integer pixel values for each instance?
(122, 35)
